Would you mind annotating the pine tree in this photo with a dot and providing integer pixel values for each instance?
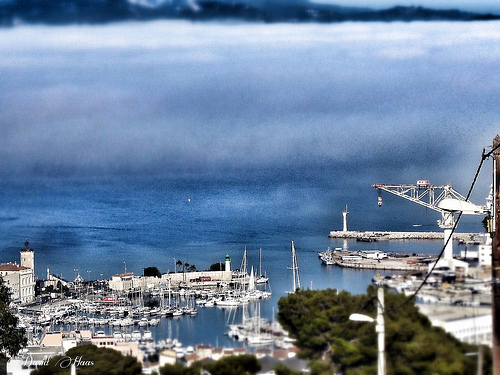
(12, 338)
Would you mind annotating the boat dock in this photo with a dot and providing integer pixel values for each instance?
(391, 264)
(371, 236)
(382, 261)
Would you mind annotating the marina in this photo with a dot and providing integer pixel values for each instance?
(199, 314)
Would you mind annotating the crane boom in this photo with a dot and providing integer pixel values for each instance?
(422, 193)
(440, 198)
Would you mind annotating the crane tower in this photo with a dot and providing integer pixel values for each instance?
(443, 199)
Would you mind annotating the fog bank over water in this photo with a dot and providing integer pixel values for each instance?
(367, 102)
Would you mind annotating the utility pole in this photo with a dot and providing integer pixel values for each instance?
(380, 328)
(495, 257)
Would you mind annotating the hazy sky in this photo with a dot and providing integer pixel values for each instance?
(388, 102)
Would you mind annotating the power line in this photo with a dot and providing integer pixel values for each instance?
(484, 156)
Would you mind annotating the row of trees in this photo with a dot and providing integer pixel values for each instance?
(186, 267)
(91, 360)
(153, 271)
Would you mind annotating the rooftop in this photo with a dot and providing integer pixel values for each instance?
(12, 267)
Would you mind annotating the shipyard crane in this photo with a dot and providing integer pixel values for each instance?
(440, 198)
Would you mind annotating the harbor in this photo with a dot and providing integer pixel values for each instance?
(227, 310)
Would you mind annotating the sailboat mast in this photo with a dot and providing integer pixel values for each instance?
(295, 267)
(260, 262)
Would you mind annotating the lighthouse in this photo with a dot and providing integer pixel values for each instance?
(344, 214)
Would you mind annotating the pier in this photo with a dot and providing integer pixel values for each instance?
(369, 236)
(411, 264)
(376, 260)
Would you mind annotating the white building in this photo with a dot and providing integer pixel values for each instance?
(484, 255)
(127, 281)
(122, 282)
(473, 325)
(20, 279)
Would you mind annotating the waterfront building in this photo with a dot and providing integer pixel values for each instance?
(122, 282)
(124, 347)
(167, 356)
(471, 325)
(59, 342)
(55, 281)
(20, 279)
(127, 281)
(484, 255)
(51, 344)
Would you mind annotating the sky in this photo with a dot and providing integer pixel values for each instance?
(385, 102)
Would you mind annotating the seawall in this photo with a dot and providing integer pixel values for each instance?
(383, 236)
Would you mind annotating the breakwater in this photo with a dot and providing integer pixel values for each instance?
(386, 236)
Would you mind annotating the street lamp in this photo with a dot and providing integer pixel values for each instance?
(379, 328)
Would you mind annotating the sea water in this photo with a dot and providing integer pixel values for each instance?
(104, 226)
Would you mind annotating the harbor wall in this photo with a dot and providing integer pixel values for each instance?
(382, 235)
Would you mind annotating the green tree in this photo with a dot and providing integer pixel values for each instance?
(180, 369)
(234, 365)
(319, 320)
(179, 263)
(12, 338)
(91, 360)
(152, 271)
(281, 369)
(231, 365)
(217, 267)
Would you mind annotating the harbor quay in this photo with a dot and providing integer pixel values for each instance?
(369, 236)
(376, 260)
(412, 264)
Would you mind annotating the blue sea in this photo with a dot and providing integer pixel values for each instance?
(99, 227)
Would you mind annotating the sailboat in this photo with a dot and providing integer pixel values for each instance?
(295, 269)
(261, 279)
(256, 336)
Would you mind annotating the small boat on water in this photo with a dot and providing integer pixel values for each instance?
(327, 258)
(261, 279)
(260, 339)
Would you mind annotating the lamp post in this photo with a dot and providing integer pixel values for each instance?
(379, 328)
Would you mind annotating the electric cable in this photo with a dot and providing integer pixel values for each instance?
(484, 156)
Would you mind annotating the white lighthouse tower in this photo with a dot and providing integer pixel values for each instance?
(344, 214)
